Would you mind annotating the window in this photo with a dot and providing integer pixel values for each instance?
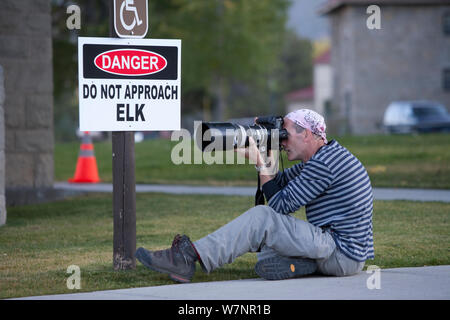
(446, 23)
(429, 110)
(446, 79)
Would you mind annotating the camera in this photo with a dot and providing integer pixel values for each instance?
(267, 132)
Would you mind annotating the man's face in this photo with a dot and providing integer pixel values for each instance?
(295, 145)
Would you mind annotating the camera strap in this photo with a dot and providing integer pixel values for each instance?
(259, 196)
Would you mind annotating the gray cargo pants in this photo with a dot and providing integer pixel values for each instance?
(263, 230)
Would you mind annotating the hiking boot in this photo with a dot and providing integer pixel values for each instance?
(279, 268)
(178, 261)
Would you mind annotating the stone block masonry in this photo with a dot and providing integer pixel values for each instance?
(2, 152)
(26, 144)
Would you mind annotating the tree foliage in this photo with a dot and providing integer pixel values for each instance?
(235, 58)
(296, 63)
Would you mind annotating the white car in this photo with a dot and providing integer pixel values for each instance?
(416, 116)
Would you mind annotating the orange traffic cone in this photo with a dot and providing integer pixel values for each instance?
(86, 170)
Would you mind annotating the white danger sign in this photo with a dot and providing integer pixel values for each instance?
(129, 84)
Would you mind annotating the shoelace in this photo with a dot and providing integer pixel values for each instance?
(176, 246)
(176, 242)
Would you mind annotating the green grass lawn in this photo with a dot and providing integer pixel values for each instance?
(39, 242)
(410, 161)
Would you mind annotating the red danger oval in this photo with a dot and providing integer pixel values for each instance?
(130, 62)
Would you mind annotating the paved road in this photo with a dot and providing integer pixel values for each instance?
(379, 193)
(425, 283)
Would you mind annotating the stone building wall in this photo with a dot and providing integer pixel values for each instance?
(26, 57)
(342, 57)
(404, 60)
(2, 152)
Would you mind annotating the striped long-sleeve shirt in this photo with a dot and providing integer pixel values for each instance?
(335, 189)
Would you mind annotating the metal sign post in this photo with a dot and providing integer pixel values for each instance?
(124, 186)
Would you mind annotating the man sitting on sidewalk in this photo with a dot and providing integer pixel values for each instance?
(333, 186)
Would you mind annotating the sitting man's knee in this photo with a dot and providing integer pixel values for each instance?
(261, 210)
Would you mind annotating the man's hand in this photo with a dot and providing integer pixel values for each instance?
(251, 153)
(269, 168)
(268, 165)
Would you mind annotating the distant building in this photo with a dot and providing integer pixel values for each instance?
(323, 83)
(407, 59)
(316, 97)
(299, 99)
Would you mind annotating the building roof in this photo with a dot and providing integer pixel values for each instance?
(303, 94)
(332, 5)
(323, 58)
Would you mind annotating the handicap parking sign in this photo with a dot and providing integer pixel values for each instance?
(131, 18)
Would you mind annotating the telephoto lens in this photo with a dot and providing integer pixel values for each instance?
(267, 132)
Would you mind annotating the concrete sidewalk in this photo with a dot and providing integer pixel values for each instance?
(379, 193)
(425, 283)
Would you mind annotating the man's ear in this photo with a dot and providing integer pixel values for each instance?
(307, 134)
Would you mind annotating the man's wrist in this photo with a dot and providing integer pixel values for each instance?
(260, 168)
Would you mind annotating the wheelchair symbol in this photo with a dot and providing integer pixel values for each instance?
(128, 5)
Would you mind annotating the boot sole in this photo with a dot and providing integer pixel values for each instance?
(143, 258)
(284, 268)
